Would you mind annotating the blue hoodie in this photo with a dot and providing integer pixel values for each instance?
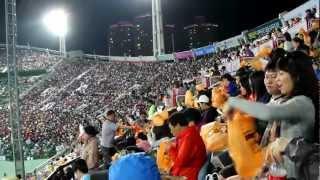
(233, 89)
(137, 166)
(318, 74)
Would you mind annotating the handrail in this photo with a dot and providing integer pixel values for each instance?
(60, 167)
(48, 161)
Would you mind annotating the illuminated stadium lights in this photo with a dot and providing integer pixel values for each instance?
(56, 22)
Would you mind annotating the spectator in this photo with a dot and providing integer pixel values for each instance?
(286, 26)
(90, 149)
(228, 82)
(273, 128)
(316, 69)
(223, 70)
(142, 142)
(247, 51)
(274, 39)
(193, 116)
(315, 12)
(242, 71)
(310, 15)
(258, 89)
(160, 131)
(189, 153)
(279, 37)
(208, 113)
(287, 43)
(80, 170)
(298, 83)
(245, 90)
(314, 34)
(299, 45)
(152, 109)
(109, 128)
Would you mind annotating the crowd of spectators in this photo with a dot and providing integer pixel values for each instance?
(29, 59)
(79, 91)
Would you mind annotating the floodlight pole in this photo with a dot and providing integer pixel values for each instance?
(157, 28)
(154, 29)
(160, 33)
(62, 46)
(14, 108)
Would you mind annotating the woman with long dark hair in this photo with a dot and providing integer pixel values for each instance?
(245, 90)
(258, 89)
(299, 114)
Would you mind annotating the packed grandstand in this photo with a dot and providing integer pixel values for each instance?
(66, 100)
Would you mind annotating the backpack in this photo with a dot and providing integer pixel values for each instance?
(305, 157)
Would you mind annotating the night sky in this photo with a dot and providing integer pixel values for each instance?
(90, 19)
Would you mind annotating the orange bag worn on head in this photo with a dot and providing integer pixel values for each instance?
(164, 161)
(188, 99)
(315, 24)
(306, 37)
(137, 128)
(200, 87)
(120, 132)
(214, 136)
(219, 97)
(255, 63)
(264, 52)
(244, 146)
(159, 118)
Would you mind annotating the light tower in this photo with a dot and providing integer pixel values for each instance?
(56, 22)
(14, 108)
(157, 28)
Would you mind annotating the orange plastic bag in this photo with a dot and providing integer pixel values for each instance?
(214, 136)
(188, 99)
(243, 145)
(219, 97)
(159, 118)
(164, 161)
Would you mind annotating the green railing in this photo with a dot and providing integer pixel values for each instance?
(24, 73)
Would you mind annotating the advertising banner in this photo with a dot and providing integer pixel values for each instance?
(165, 57)
(184, 55)
(263, 29)
(204, 50)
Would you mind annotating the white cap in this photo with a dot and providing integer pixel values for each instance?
(203, 99)
(179, 108)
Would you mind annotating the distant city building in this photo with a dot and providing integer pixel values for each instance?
(135, 39)
(143, 35)
(200, 33)
(121, 41)
(169, 38)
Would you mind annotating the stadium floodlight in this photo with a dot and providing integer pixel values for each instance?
(56, 22)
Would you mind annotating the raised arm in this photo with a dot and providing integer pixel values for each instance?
(288, 111)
